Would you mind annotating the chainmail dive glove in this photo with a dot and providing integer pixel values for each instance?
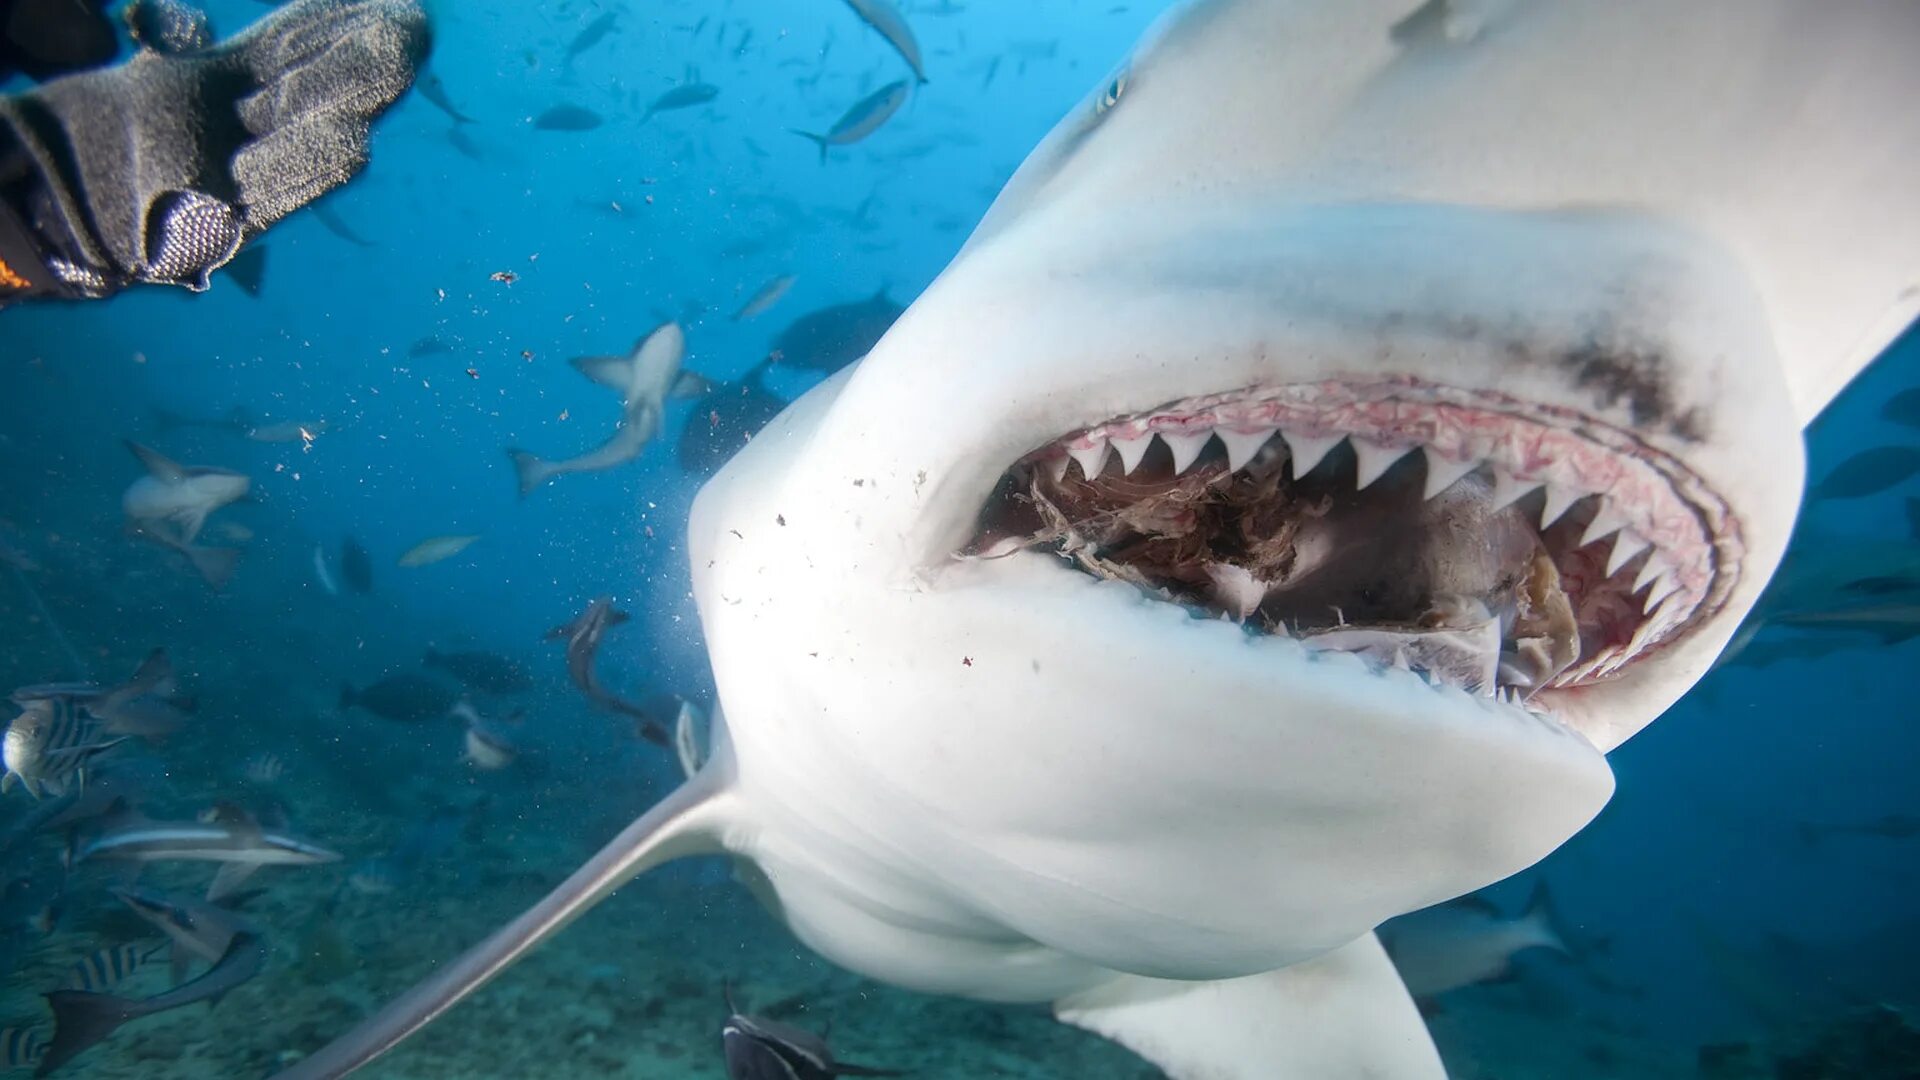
(159, 169)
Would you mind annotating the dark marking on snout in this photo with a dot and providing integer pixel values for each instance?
(1637, 380)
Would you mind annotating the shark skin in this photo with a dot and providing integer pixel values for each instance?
(1457, 227)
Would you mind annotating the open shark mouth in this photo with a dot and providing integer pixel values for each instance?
(1508, 549)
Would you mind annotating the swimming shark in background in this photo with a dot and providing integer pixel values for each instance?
(169, 504)
(644, 379)
(1432, 277)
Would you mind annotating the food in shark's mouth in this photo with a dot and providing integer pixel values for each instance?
(1534, 550)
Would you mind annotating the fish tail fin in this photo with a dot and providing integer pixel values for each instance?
(820, 139)
(349, 697)
(1544, 917)
(530, 469)
(81, 1019)
(216, 565)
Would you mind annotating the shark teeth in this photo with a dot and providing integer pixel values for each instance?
(1663, 525)
(1131, 450)
(1310, 450)
(1186, 447)
(1560, 499)
(1444, 472)
(1242, 445)
(1374, 459)
(1509, 489)
(1092, 457)
(1625, 546)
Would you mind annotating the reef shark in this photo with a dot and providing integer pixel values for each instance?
(1526, 302)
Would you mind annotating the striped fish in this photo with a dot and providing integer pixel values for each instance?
(50, 744)
(109, 967)
(21, 1048)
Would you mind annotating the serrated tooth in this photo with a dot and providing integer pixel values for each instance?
(1560, 498)
(1605, 523)
(1374, 459)
(1654, 568)
(1443, 471)
(1626, 545)
(1057, 468)
(1645, 634)
(1186, 447)
(1508, 488)
(1664, 586)
(1092, 459)
(1242, 445)
(1131, 451)
(1309, 451)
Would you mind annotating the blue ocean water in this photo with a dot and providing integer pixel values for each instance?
(1749, 886)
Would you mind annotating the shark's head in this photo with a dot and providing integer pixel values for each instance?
(1353, 345)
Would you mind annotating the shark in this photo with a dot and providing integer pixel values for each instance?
(644, 379)
(1474, 337)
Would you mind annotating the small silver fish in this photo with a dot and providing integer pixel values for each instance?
(286, 431)
(433, 549)
(764, 297)
(885, 18)
(862, 120)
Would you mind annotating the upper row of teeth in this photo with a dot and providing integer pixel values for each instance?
(1662, 575)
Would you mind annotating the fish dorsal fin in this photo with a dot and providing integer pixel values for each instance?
(228, 879)
(1344, 1014)
(158, 465)
(232, 816)
(1776, 129)
(153, 676)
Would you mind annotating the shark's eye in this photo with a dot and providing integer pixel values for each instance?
(1110, 94)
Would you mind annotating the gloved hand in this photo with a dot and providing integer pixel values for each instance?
(159, 169)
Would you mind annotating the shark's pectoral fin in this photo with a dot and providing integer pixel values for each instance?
(687, 822)
(691, 384)
(612, 372)
(1342, 1016)
(191, 521)
(228, 879)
